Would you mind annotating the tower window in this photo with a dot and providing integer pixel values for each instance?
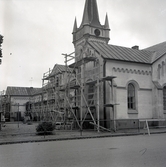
(97, 32)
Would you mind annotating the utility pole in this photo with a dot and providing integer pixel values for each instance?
(98, 103)
(18, 115)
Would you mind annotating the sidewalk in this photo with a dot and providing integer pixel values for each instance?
(23, 133)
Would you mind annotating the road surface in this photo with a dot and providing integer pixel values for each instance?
(131, 151)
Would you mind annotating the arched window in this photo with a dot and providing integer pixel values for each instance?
(131, 97)
(164, 98)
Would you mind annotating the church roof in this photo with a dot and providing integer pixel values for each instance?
(21, 91)
(159, 50)
(114, 52)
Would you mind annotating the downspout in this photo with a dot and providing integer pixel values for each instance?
(104, 93)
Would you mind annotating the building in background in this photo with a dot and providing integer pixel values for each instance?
(50, 102)
(1, 107)
(15, 102)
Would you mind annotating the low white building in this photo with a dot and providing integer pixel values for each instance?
(17, 98)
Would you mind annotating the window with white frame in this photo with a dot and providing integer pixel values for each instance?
(131, 97)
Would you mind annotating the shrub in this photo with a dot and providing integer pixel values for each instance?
(45, 127)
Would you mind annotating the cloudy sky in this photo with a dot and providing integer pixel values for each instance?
(37, 32)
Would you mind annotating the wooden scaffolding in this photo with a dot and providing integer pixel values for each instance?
(88, 91)
(76, 101)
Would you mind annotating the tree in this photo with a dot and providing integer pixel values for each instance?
(1, 41)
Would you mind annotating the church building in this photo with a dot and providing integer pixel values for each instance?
(107, 87)
(123, 84)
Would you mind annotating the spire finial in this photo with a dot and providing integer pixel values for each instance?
(106, 22)
(75, 25)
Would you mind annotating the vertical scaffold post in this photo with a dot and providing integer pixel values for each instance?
(98, 114)
(82, 99)
(113, 106)
(65, 95)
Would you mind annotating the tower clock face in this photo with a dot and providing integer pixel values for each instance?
(97, 32)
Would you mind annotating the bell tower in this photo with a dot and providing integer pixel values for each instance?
(90, 28)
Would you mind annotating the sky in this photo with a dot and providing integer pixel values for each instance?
(37, 32)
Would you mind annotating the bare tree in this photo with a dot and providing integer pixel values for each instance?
(1, 41)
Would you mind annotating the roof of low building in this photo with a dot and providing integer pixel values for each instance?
(59, 69)
(21, 91)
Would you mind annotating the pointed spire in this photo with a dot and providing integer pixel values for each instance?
(91, 15)
(75, 25)
(106, 22)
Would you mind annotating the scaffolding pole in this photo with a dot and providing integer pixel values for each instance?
(98, 103)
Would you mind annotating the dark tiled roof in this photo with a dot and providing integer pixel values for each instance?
(37, 91)
(159, 50)
(22, 91)
(122, 53)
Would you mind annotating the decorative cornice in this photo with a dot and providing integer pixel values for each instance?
(132, 71)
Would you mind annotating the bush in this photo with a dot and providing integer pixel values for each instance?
(45, 127)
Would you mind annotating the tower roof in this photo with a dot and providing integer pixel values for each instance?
(91, 16)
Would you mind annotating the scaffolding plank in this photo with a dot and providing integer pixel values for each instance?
(101, 127)
(75, 107)
(82, 61)
(75, 87)
(91, 82)
(92, 106)
(108, 78)
(110, 105)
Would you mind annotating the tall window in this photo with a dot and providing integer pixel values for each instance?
(162, 70)
(159, 71)
(131, 97)
(164, 98)
(57, 81)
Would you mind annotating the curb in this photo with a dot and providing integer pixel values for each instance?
(75, 138)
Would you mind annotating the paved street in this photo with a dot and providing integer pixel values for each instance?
(129, 151)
